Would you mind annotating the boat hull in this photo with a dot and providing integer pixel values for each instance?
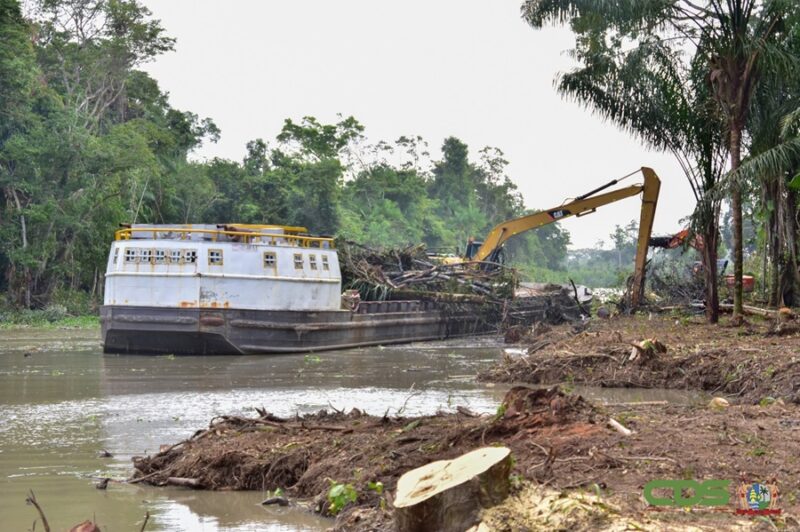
(196, 331)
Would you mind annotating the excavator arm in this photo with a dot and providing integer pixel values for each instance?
(581, 206)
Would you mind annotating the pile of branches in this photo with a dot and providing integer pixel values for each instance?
(380, 274)
(674, 284)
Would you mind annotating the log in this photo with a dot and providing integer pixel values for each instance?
(619, 427)
(763, 312)
(280, 501)
(184, 482)
(448, 495)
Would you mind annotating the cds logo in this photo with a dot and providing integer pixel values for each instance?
(685, 493)
(755, 498)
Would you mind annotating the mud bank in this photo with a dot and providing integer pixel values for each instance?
(561, 444)
(750, 364)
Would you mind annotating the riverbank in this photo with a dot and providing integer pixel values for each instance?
(758, 363)
(49, 318)
(561, 444)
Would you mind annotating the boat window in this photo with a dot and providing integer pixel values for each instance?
(269, 259)
(160, 256)
(325, 265)
(116, 254)
(298, 261)
(215, 257)
(175, 256)
(130, 255)
(145, 255)
(312, 262)
(190, 256)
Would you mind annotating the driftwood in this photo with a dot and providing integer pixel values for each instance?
(184, 482)
(280, 501)
(31, 499)
(448, 495)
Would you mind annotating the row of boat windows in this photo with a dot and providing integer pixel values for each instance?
(158, 256)
(215, 257)
(299, 261)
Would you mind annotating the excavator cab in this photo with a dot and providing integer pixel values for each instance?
(497, 256)
(472, 248)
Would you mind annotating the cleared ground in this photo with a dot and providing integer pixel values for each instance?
(571, 470)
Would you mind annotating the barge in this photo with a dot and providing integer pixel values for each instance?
(246, 289)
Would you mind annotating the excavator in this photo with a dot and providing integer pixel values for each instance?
(490, 250)
(677, 240)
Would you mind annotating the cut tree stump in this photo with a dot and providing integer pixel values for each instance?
(448, 495)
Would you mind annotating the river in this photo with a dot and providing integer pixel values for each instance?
(63, 402)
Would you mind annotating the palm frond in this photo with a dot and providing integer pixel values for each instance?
(618, 13)
(776, 161)
(790, 124)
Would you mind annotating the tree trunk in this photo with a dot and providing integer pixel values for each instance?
(736, 212)
(789, 298)
(772, 244)
(24, 228)
(710, 241)
(449, 495)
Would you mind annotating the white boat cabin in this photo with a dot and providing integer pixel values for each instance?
(237, 266)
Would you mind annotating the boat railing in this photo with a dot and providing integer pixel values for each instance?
(222, 235)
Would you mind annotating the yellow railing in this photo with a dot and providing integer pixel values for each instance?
(244, 237)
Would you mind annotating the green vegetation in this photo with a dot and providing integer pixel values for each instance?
(88, 141)
(717, 85)
(339, 496)
(51, 317)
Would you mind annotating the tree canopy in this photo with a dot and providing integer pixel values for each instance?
(88, 141)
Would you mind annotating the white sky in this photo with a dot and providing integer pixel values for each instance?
(468, 68)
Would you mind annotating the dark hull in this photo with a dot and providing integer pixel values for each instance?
(192, 331)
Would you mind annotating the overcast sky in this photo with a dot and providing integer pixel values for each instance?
(468, 68)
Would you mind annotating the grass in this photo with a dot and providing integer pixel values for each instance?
(46, 319)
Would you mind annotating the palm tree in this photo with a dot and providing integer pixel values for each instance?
(731, 42)
(776, 167)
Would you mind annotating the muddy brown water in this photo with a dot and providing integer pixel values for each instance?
(63, 401)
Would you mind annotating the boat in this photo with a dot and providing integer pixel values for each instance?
(250, 289)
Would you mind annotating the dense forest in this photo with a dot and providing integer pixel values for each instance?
(88, 140)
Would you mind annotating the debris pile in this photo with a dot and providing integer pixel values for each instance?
(306, 456)
(408, 272)
(350, 465)
(660, 351)
(674, 283)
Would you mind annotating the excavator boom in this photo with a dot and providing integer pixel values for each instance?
(581, 206)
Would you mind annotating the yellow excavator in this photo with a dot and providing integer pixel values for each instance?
(490, 250)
